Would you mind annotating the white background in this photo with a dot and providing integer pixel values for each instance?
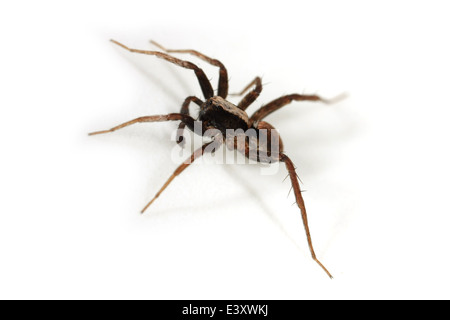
(374, 166)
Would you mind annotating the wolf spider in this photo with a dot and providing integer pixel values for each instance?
(219, 114)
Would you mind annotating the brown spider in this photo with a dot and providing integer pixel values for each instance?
(221, 115)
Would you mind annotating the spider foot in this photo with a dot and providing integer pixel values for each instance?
(148, 205)
(99, 132)
(323, 267)
(336, 99)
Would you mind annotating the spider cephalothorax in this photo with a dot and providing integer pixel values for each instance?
(228, 124)
(218, 113)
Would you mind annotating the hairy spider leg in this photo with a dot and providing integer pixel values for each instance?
(223, 74)
(276, 104)
(185, 110)
(205, 85)
(301, 204)
(158, 118)
(252, 95)
(267, 126)
(195, 155)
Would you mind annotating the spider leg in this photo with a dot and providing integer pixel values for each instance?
(205, 85)
(159, 118)
(272, 135)
(223, 74)
(246, 88)
(197, 154)
(252, 95)
(276, 104)
(301, 204)
(185, 110)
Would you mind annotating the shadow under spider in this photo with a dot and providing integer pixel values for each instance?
(256, 195)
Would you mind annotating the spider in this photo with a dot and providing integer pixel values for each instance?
(220, 115)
